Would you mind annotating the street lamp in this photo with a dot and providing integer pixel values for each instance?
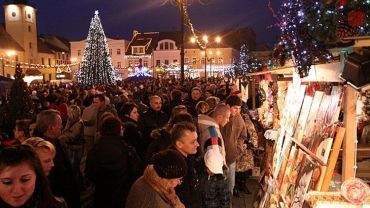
(204, 47)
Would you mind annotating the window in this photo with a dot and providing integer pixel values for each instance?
(138, 50)
(220, 60)
(49, 61)
(175, 61)
(129, 63)
(171, 46)
(186, 60)
(161, 46)
(110, 51)
(42, 61)
(166, 62)
(118, 51)
(157, 62)
(78, 52)
(202, 61)
(194, 61)
(145, 63)
(29, 28)
(166, 45)
(119, 64)
(49, 76)
(30, 45)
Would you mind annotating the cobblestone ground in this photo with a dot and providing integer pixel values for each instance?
(246, 200)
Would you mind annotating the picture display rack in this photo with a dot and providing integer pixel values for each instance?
(304, 153)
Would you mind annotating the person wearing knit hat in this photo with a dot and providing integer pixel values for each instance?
(156, 188)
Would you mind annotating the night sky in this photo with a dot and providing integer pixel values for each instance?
(71, 18)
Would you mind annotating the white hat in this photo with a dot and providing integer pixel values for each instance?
(214, 160)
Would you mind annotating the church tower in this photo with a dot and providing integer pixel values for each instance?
(20, 23)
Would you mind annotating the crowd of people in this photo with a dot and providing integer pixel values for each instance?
(156, 143)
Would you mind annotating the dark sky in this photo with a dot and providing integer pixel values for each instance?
(71, 18)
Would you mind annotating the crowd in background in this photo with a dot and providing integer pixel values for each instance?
(155, 143)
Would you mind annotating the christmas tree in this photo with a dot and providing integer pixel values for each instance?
(366, 107)
(20, 103)
(247, 62)
(296, 34)
(96, 66)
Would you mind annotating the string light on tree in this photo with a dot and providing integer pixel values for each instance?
(305, 48)
(96, 66)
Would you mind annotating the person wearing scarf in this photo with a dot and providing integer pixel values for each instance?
(156, 188)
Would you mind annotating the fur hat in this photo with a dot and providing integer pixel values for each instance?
(169, 164)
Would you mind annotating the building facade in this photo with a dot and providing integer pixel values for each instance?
(20, 43)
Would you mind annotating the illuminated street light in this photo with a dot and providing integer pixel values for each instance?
(205, 41)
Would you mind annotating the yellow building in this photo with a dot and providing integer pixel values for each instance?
(19, 43)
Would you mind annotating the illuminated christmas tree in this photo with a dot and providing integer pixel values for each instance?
(96, 66)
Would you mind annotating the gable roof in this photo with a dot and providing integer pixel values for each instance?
(7, 42)
(148, 40)
(55, 43)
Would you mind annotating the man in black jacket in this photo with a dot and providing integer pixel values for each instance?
(153, 118)
(107, 166)
(184, 139)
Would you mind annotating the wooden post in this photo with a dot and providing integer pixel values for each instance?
(253, 94)
(275, 98)
(332, 159)
(348, 159)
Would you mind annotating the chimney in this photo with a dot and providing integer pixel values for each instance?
(134, 33)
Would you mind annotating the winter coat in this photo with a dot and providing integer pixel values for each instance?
(189, 190)
(232, 132)
(204, 122)
(215, 191)
(244, 161)
(107, 167)
(150, 191)
(149, 121)
(133, 135)
(61, 177)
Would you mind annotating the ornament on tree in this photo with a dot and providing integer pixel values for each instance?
(356, 18)
(340, 4)
(345, 30)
